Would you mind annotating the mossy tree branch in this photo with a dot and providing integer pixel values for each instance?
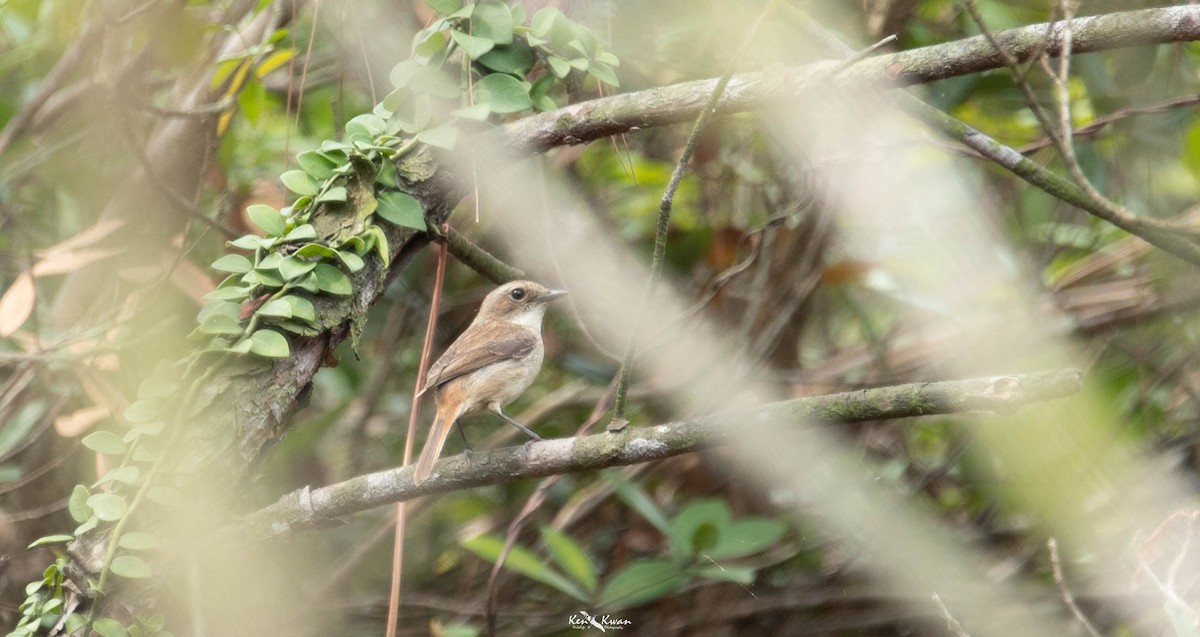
(308, 509)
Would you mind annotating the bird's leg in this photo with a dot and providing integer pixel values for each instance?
(528, 432)
(462, 433)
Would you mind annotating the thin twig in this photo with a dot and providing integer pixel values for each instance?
(1067, 597)
(952, 624)
(664, 217)
(1100, 123)
(398, 543)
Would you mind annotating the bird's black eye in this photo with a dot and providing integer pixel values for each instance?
(517, 294)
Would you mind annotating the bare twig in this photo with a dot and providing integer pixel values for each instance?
(426, 350)
(664, 217)
(1061, 582)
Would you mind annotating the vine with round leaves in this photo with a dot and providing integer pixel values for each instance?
(476, 62)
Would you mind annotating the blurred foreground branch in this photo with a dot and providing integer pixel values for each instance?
(583, 122)
(307, 508)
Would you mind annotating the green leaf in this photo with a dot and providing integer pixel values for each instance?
(539, 93)
(106, 627)
(316, 164)
(369, 124)
(77, 504)
(472, 45)
(445, 7)
(559, 66)
(108, 507)
(269, 343)
(332, 280)
(51, 539)
(307, 283)
(503, 93)
(246, 242)
(352, 261)
(89, 524)
(268, 219)
(137, 541)
(144, 410)
(299, 182)
(315, 250)
(747, 537)
(604, 73)
(337, 193)
(234, 263)
(493, 21)
(401, 209)
(543, 20)
(217, 325)
(224, 69)
(252, 100)
(296, 327)
(688, 535)
(570, 557)
(381, 243)
(430, 44)
(104, 442)
(442, 137)
(276, 307)
(302, 308)
(521, 560)
(294, 267)
(130, 567)
(641, 581)
(269, 278)
(635, 498)
(516, 59)
(75, 624)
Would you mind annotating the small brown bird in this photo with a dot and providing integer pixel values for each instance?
(491, 363)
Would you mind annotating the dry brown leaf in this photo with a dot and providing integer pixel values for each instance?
(75, 423)
(86, 238)
(17, 304)
(69, 261)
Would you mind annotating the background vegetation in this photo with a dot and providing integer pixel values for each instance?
(139, 137)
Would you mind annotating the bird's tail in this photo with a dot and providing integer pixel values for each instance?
(442, 423)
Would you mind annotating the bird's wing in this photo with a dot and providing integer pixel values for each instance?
(465, 356)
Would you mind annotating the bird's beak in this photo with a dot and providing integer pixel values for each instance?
(553, 294)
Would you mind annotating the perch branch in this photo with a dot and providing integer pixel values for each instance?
(309, 508)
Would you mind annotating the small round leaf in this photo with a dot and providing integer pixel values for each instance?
(298, 182)
(108, 507)
(503, 93)
(267, 218)
(401, 209)
(106, 627)
(104, 442)
(270, 344)
(130, 567)
(234, 263)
